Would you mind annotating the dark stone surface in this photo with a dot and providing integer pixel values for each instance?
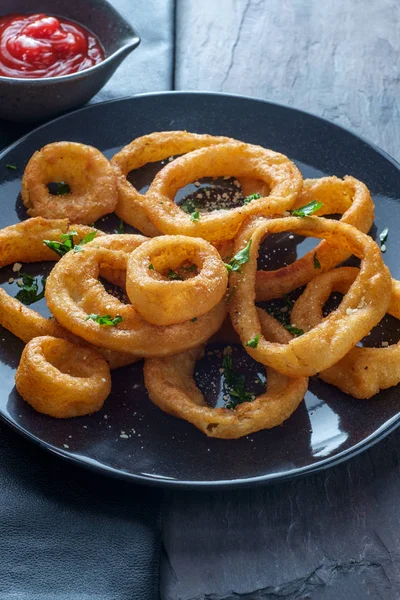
(336, 535)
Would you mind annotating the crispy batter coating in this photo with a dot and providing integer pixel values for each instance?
(232, 158)
(170, 384)
(146, 149)
(90, 177)
(23, 242)
(61, 379)
(362, 308)
(73, 292)
(161, 300)
(363, 371)
(348, 197)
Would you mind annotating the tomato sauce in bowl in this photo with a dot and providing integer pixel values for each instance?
(37, 46)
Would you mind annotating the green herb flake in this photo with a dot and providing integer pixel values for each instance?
(253, 343)
(194, 319)
(383, 237)
(294, 330)
(240, 258)
(62, 188)
(195, 216)
(234, 383)
(11, 167)
(105, 320)
(250, 198)
(65, 245)
(317, 264)
(307, 210)
(188, 206)
(174, 276)
(29, 292)
(150, 267)
(88, 238)
(121, 227)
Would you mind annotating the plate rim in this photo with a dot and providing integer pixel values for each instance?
(158, 481)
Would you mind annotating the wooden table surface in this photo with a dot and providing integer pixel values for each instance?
(335, 535)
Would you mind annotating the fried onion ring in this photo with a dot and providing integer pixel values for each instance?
(23, 242)
(27, 324)
(233, 158)
(73, 292)
(90, 177)
(363, 371)
(170, 384)
(61, 379)
(163, 301)
(362, 308)
(146, 149)
(348, 197)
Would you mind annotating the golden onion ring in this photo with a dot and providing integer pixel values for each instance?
(363, 371)
(23, 242)
(61, 379)
(361, 309)
(242, 160)
(150, 148)
(164, 301)
(89, 175)
(73, 292)
(348, 197)
(170, 384)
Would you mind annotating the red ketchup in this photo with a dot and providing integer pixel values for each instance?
(41, 46)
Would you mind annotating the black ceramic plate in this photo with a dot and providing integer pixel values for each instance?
(130, 437)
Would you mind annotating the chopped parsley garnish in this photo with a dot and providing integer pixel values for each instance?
(240, 258)
(105, 319)
(195, 216)
(194, 319)
(251, 197)
(294, 330)
(65, 245)
(121, 227)
(62, 188)
(234, 382)
(282, 314)
(253, 343)
(11, 167)
(317, 264)
(174, 276)
(29, 292)
(230, 295)
(88, 238)
(307, 209)
(188, 206)
(383, 237)
(150, 267)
